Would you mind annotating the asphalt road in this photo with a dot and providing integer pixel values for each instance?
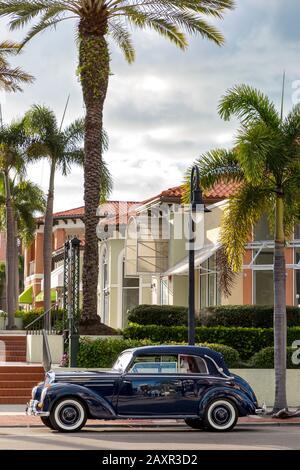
(244, 437)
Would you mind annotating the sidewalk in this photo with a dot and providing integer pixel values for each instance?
(14, 416)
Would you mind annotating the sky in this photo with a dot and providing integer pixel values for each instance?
(161, 112)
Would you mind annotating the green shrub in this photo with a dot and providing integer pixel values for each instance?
(231, 356)
(247, 341)
(167, 315)
(31, 315)
(248, 316)
(264, 359)
(102, 353)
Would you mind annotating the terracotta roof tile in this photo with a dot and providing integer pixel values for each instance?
(218, 192)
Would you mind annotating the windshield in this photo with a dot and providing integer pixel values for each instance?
(122, 362)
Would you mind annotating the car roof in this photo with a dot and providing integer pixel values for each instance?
(181, 349)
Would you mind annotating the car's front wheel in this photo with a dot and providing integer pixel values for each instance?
(220, 415)
(195, 423)
(46, 421)
(68, 415)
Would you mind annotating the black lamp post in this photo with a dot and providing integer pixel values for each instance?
(196, 204)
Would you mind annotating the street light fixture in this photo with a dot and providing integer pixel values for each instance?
(197, 203)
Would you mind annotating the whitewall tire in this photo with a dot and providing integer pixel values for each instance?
(221, 415)
(68, 415)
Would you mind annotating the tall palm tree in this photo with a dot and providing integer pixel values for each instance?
(11, 79)
(12, 141)
(97, 21)
(266, 163)
(27, 200)
(63, 149)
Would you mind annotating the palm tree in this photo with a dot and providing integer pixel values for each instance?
(12, 141)
(98, 20)
(11, 78)
(266, 163)
(63, 148)
(27, 200)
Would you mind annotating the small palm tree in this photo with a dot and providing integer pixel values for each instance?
(12, 142)
(27, 200)
(11, 78)
(97, 21)
(266, 164)
(63, 149)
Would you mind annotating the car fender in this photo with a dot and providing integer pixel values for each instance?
(243, 403)
(97, 406)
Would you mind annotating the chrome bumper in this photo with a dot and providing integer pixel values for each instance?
(31, 409)
(261, 411)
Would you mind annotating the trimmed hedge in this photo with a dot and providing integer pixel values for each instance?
(248, 316)
(167, 315)
(264, 359)
(247, 341)
(102, 353)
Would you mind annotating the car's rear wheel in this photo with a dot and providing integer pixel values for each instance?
(46, 421)
(220, 415)
(68, 415)
(195, 423)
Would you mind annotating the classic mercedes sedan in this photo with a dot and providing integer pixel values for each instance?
(157, 382)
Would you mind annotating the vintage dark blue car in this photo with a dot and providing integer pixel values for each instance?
(180, 382)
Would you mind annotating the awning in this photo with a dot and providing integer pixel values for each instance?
(201, 256)
(26, 296)
(40, 296)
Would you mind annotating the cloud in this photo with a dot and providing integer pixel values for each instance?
(161, 112)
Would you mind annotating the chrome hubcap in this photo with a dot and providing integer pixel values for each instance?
(69, 414)
(221, 415)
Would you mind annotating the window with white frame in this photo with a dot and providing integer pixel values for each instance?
(164, 291)
(104, 287)
(209, 292)
(130, 294)
(263, 291)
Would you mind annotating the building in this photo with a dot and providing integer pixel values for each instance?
(143, 257)
(66, 224)
(142, 265)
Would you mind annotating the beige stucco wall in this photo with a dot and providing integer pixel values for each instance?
(35, 348)
(180, 290)
(177, 242)
(145, 289)
(236, 297)
(263, 383)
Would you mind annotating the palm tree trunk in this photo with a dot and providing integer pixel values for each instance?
(94, 74)
(10, 256)
(17, 275)
(47, 246)
(280, 326)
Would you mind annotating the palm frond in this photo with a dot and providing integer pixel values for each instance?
(123, 39)
(226, 277)
(215, 166)
(255, 146)
(106, 182)
(244, 210)
(156, 22)
(249, 105)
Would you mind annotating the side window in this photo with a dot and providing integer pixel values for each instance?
(192, 365)
(154, 365)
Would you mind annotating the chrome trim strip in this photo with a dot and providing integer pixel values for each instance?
(219, 369)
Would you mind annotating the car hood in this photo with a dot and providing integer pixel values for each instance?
(82, 376)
